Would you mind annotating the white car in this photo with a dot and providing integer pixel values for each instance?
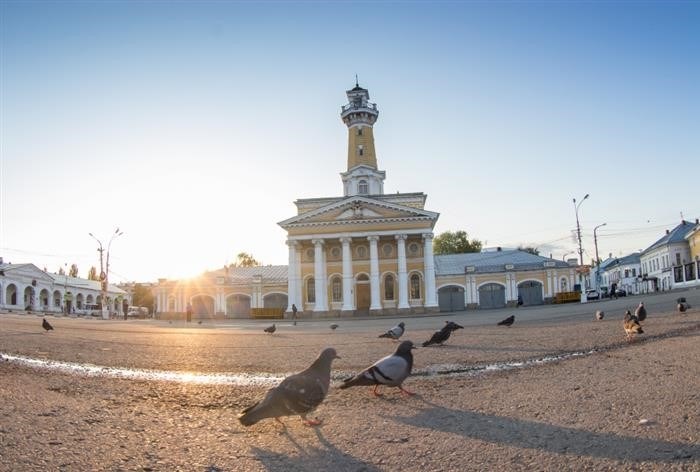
(592, 294)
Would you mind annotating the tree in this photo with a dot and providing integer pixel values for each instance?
(73, 272)
(530, 249)
(243, 259)
(456, 242)
(142, 296)
(92, 273)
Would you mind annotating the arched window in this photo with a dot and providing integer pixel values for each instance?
(415, 286)
(363, 187)
(360, 150)
(337, 288)
(389, 287)
(311, 290)
(563, 284)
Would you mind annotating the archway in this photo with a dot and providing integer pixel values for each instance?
(238, 305)
(492, 295)
(530, 292)
(451, 298)
(203, 305)
(275, 300)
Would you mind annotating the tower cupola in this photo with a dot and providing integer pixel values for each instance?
(359, 115)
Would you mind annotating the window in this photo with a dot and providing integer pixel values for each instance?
(359, 130)
(310, 254)
(389, 287)
(634, 272)
(415, 286)
(563, 284)
(387, 249)
(337, 289)
(361, 252)
(311, 290)
(360, 150)
(690, 271)
(363, 187)
(678, 258)
(413, 248)
(627, 273)
(335, 253)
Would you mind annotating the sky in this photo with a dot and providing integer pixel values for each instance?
(194, 126)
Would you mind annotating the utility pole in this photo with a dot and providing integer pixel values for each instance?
(597, 259)
(578, 233)
(104, 274)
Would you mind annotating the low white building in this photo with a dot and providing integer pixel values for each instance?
(658, 260)
(25, 287)
(625, 272)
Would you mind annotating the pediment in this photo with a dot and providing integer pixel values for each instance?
(359, 209)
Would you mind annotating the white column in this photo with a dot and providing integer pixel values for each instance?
(348, 301)
(509, 292)
(429, 270)
(291, 276)
(298, 279)
(467, 290)
(374, 273)
(319, 276)
(403, 275)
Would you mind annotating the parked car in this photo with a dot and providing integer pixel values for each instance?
(592, 294)
(620, 293)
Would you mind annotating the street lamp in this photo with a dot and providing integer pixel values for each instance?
(104, 270)
(597, 259)
(578, 233)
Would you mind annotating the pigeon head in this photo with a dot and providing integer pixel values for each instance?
(329, 354)
(402, 324)
(405, 347)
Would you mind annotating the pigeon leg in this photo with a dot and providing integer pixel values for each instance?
(375, 393)
(406, 392)
(311, 422)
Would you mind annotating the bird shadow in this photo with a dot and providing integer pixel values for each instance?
(542, 436)
(325, 457)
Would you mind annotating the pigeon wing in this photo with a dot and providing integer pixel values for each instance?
(302, 393)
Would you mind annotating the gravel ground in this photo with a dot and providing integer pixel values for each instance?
(582, 413)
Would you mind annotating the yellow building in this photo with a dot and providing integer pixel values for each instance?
(365, 252)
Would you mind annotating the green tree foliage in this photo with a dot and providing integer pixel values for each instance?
(142, 296)
(243, 259)
(455, 242)
(73, 272)
(530, 249)
(92, 273)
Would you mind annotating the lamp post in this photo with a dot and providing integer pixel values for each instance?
(597, 259)
(578, 233)
(104, 270)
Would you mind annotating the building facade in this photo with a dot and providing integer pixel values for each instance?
(25, 287)
(659, 259)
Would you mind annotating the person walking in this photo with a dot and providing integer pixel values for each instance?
(189, 312)
(294, 313)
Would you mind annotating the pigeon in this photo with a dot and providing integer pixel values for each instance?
(271, 329)
(641, 312)
(507, 322)
(439, 337)
(199, 322)
(46, 325)
(298, 394)
(631, 325)
(391, 371)
(334, 326)
(599, 315)
(394, 333)
(682, 308)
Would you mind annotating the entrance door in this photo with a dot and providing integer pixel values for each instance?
(492, 296)
(531, 293)
(451, 298)
(363, 298)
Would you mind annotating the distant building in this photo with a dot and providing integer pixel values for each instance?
(658, 261)
(625, 272)
(25, 287)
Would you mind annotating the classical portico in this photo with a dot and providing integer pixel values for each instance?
(365, 252)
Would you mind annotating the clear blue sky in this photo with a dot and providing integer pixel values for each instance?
(193, 126)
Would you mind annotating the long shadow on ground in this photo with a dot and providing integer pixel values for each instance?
(547, 437)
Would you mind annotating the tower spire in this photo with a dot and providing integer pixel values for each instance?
(359, 115)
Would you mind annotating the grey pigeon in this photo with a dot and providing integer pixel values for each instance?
(298, 394)
(391, 370)
(271, 329)
(439, 337)
(641, 312)
(334, 326)
(629, 317)
(507, 322)
(46, 325)
(599, 315)
(394, 333)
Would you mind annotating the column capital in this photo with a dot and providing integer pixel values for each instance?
(292, 243)
(428, 235)
(345, 240)
(318, 242)
(373, 238)
(400, 237)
